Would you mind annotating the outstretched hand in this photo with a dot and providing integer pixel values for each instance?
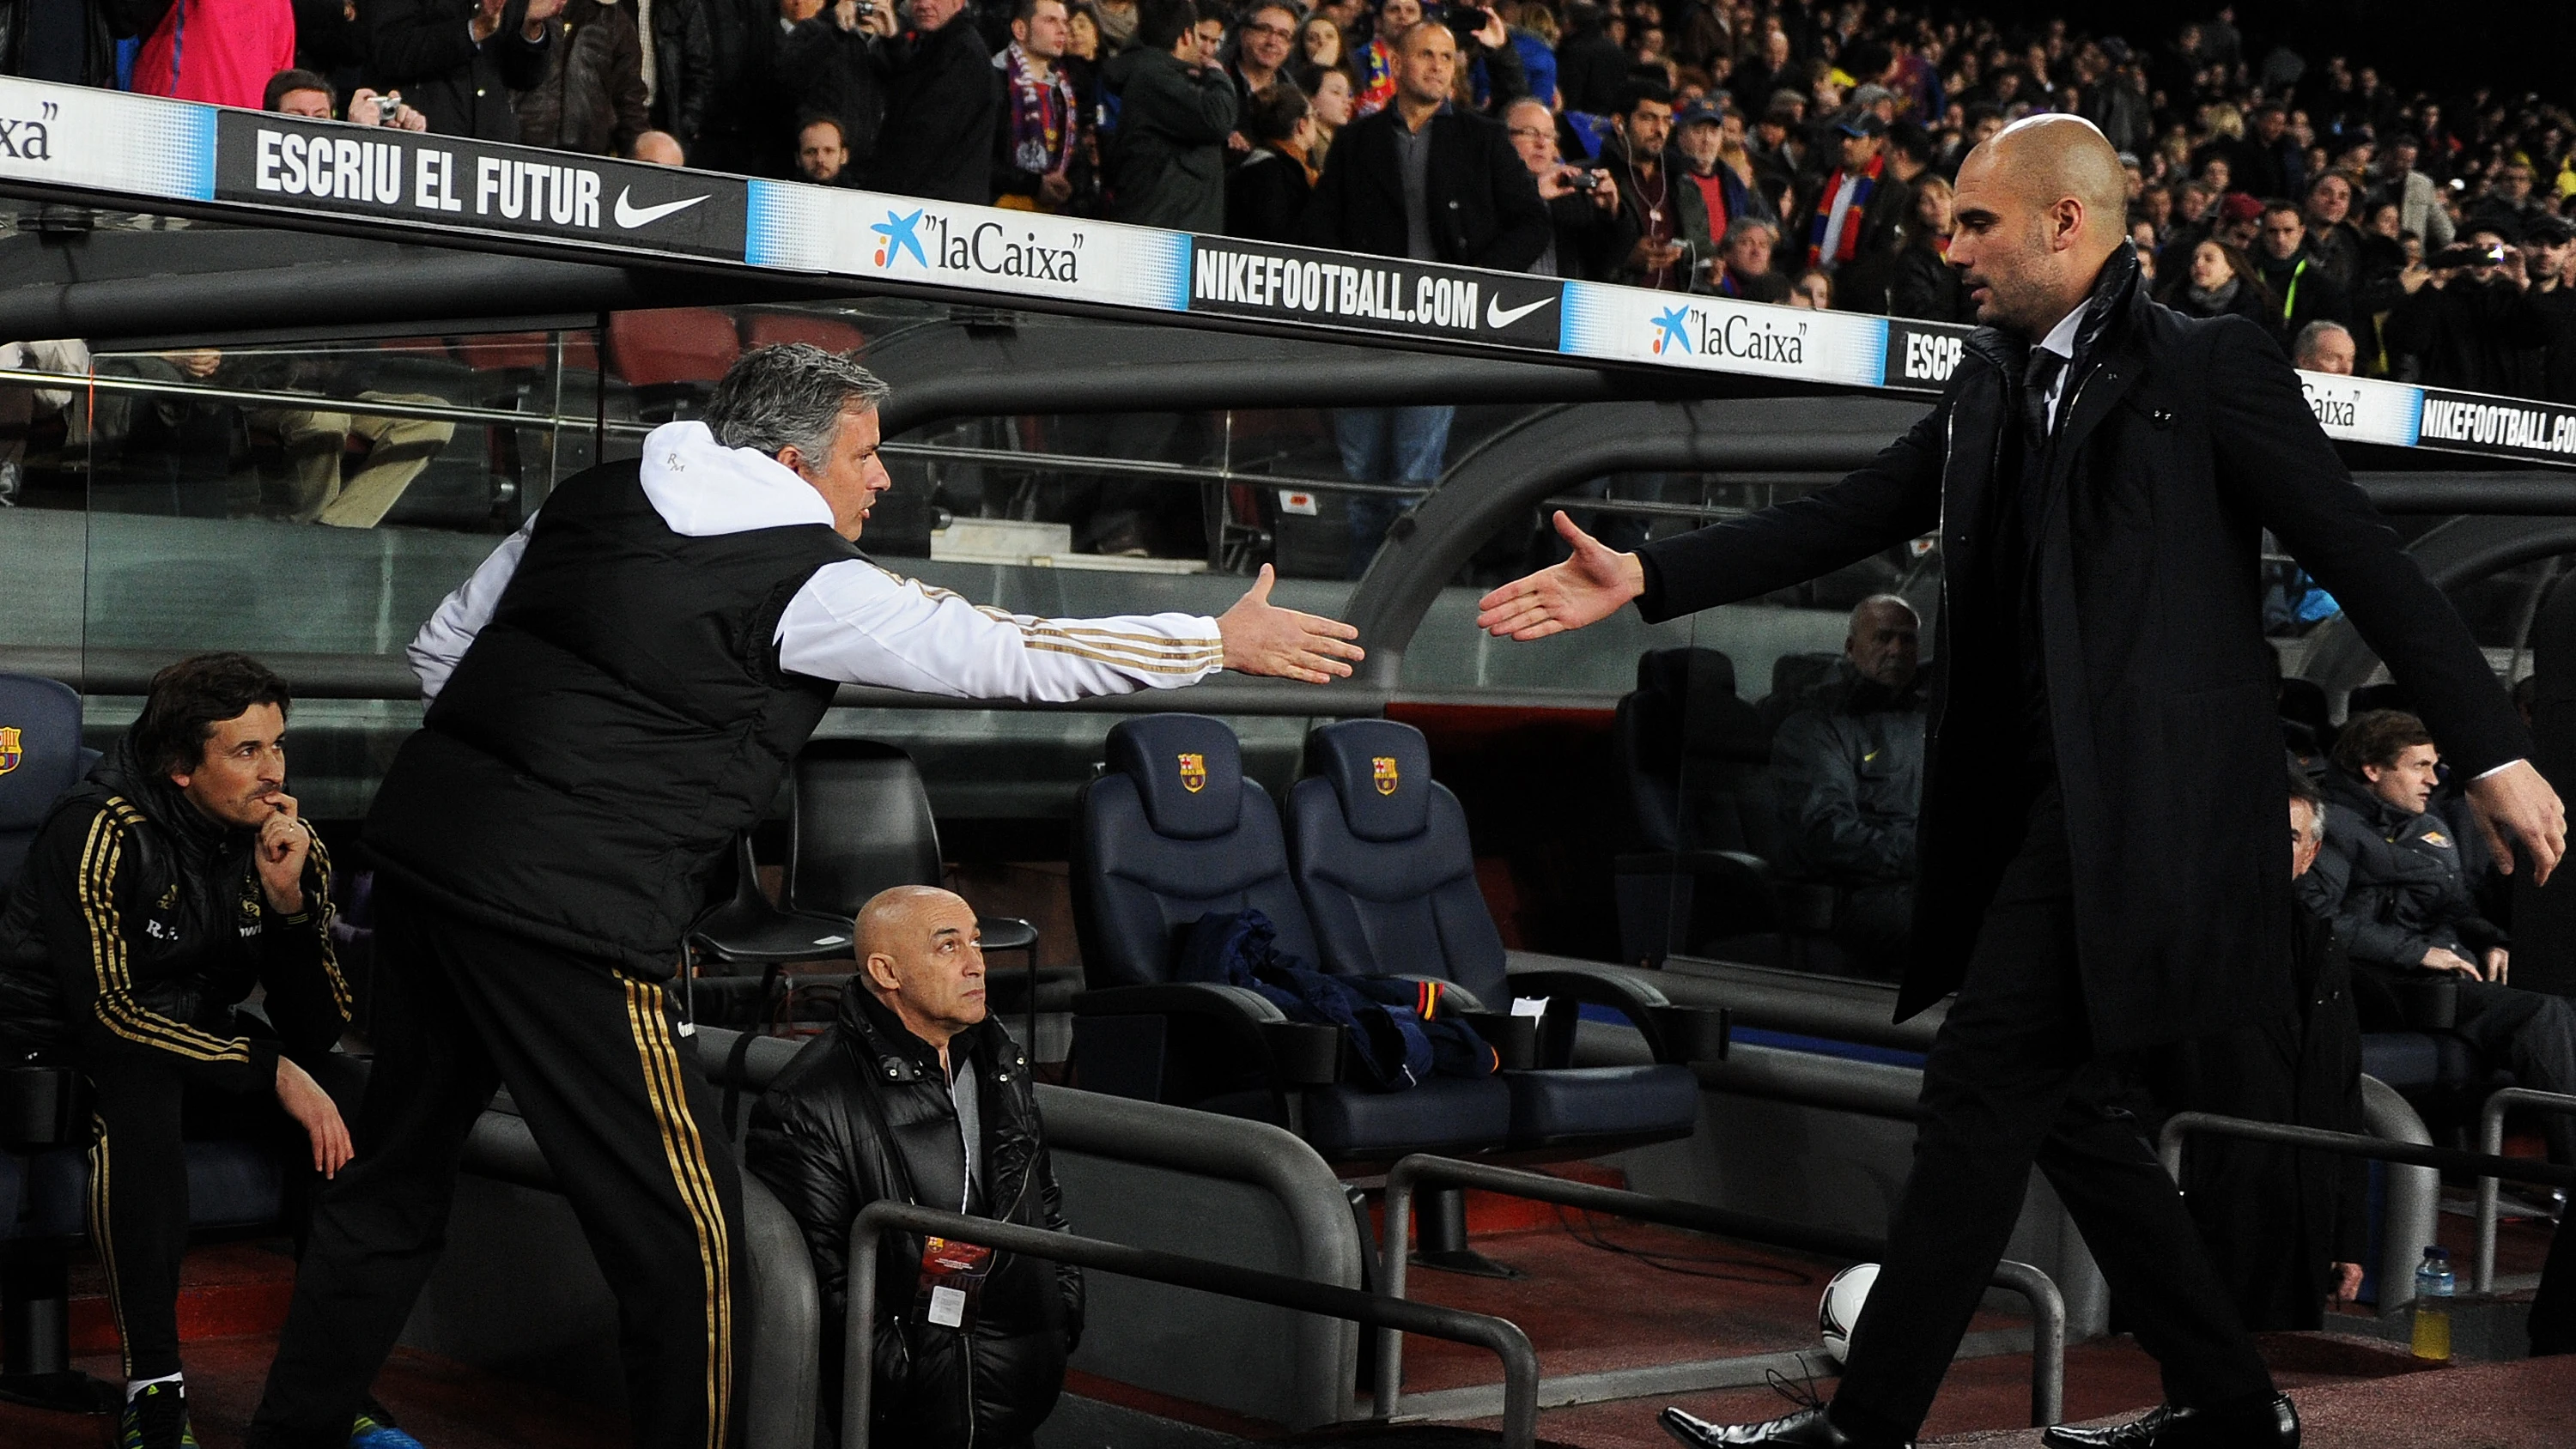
(2515, 806)
(1263, 638)
(1585, 589)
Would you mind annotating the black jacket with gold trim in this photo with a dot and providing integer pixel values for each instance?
(138, 924)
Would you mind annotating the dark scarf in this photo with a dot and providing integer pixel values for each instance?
(1041, 113)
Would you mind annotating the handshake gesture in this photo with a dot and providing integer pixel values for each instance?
(1585, 589)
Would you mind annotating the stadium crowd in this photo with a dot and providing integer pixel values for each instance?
(1780, 150)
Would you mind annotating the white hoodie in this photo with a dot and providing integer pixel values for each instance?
(854, 622)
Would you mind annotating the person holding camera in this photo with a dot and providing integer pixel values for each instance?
(459, 61)
(1663, 219)
(2464, 319)
(943, 101)
(825, 67)
(158, 895)
(1582, 202)
(303, 93)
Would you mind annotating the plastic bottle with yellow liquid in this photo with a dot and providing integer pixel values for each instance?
(2434, 1287)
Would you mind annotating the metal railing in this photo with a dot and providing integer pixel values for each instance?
(1501, 1336)
(2491, 1142)
(2392, 1292)
(2047, 1308)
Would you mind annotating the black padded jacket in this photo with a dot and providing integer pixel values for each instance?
(862, 1114)
(138, 924)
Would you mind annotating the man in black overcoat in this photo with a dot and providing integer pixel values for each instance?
(2098, 477)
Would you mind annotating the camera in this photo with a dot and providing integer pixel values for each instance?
(388, 106)
(1582, 178)
(2467, 254)
(1465, 20)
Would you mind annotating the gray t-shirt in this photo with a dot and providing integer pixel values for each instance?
(963, 1090)
(1413, 162)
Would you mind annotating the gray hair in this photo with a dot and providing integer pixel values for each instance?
(790, 395)
(2305, 344)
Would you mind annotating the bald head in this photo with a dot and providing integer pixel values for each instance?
(922, 957)
(2041, 204)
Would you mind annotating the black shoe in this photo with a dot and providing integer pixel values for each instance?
(156, 1418)
(1806, 1429)
(2263, 1424)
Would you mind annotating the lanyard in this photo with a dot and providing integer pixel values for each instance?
(2290, 298)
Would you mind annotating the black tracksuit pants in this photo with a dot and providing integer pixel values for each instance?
(617, 1102)
(143, 1110)
(2011, 1081)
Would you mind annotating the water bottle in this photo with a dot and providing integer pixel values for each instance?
(2434, 1287)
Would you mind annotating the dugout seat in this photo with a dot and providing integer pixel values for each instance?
(1170, 832)
(1382, 859)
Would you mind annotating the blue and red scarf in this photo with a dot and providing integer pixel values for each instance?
(1848, 244)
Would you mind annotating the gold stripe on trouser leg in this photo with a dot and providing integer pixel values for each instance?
(106, 1243)
(685, 1150)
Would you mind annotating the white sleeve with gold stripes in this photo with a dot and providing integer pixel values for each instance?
(856, 623)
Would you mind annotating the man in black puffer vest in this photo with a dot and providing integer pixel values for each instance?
(882, 1106)
(157, 896)
(614, 696)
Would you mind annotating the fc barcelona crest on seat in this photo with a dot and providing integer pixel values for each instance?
(10, 750)
(1383, 768)
(1194, 773)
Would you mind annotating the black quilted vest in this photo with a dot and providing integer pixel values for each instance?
(618, 721)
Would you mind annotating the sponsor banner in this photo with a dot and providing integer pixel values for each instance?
(446, 181)
(1922, 355)
(2511, 427)
(2361, 409)
(1676, 329)
(984, 248)
(98, 140)
(1234, 278)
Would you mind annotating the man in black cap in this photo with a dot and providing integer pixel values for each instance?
(1855, 213)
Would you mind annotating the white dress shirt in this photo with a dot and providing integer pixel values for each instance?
(855, 622)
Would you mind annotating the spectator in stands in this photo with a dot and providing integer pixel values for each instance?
(1582, 202)
(592, 98)
(1373, 66)
(2333, 240)
(2464, 319)
(161, 892)
(1046, 134)
(1319, 49)
(1850, 768)
(1332, 99)
(823, 152)
(1812, 290)
(2220, 281)
(1723, 180)
(2418, 199)
(1265, 197)
(943, 104)
(2398, 886)
(303, 93)
(876, 1110)
(1176, 109)
(2549, 259)
(218, 51)
(1660, 212)
(1744, 268)
(2324, 346)
(1262, 42)
(2508, 205)
(658, 148)
(545, 835)
(1854, 212)
(1925, 285)
(826, 64)
(1778, 145)
(1462, 195)
(2301, 289)
(1591, 68)
(684, 71)
(460, 76)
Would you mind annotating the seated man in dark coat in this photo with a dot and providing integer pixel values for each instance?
(915, 1094)
(2398, 885)
(1850, 765)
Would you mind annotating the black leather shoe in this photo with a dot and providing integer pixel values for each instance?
(2269, 1424)
(1806, 1429)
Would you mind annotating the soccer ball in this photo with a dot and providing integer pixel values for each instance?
(1840, 1308)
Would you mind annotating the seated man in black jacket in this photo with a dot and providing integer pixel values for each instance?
(915, 1094)
(159, 894)
(2398, 886)
(1850, 766)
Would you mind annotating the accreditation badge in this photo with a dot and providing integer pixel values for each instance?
(952, 1280)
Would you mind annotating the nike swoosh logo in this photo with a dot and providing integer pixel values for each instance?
(1498, 315)
(631, 216)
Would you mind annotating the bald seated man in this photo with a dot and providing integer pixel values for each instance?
(2098, 862)
(916, 1093)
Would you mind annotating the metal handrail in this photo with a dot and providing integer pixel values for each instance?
(2354, 1144)
(2047, 1306)
(2491, 1142)
(1503, 1337)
